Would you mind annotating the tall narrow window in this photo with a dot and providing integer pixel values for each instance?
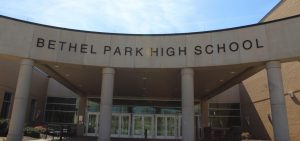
(60, 110)
(6, 105)
(33, 116)
(224, 115)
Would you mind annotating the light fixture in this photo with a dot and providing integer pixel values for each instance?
(291, 94)
(233, 72)
(56, 66)
(221, 80)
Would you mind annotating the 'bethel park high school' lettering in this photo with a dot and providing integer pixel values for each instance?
(139, 51)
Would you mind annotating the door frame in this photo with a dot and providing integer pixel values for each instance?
(120, 115)
(176, 129)
(97, 123)
(143, 125)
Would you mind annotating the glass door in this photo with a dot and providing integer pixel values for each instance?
(114, 125)
(168, 126)
(120, 125)
(160, 127)
(92, 126)
(124, 121)
(171, 126)
(142, 126)
(148, 125)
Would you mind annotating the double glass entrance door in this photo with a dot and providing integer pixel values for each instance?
(138, 125)
(120, 126)
(168, 126)
(142, 126)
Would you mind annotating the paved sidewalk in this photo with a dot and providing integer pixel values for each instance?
(84, 138)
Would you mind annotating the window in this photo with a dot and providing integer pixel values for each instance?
(6, 105)
(60, 110)
(93, 104)
(143, 110)
(224, 115)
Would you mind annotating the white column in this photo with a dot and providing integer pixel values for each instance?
(106, 104)
(17, 119)
(187, 95)
(278, 108)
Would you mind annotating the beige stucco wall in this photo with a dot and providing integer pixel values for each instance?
(9, 70)
(272, 41)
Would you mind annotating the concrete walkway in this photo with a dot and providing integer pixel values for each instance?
(87, 139)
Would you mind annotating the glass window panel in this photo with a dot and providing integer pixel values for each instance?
(5, 110)
(171, 124)
(170, 111)
(125, 125)
(224, 105)
(92, 124)
(160, 131)
(7, 96)
(5, 105)
(138, 129)
(213, 112)
(120, 109)
(197, 110)
(148, 125)
(61, 100)
(114, 124)
(224, 122)
(59, 117)
(61, 107)
(143, 110)
(93, 105)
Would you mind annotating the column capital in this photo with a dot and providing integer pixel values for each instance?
(27, 61)
(187, 71)
(108, 71)
(273, 64)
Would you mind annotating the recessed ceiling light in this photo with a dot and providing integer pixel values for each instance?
(233, 72)
(144, 78)
(221, 80)
(56, 66)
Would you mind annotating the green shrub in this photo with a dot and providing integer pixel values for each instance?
(31, 132)
(4, 123)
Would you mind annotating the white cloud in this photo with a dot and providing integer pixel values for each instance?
(125, 16)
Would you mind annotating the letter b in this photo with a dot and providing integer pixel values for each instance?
(40, 42)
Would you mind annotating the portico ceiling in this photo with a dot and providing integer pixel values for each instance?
(148, 84)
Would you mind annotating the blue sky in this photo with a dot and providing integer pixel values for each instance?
(139, 16)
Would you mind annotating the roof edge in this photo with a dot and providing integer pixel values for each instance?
(271, 11)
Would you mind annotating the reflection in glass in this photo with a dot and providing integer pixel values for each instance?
(114, 124)
(92, 124)
(125, 125)
(148, 125)
(138, 130)
(171, 126)
(160, 126)
(93, 105)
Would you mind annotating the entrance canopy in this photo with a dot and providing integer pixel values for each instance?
(148, 66)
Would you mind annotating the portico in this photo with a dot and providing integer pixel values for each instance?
(156, 91)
